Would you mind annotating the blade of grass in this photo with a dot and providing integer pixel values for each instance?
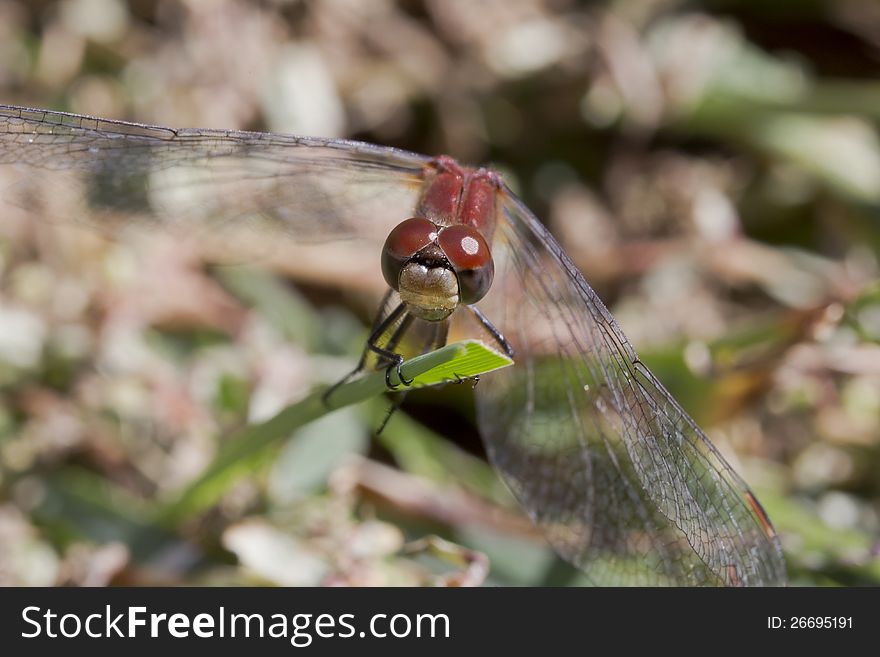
(281, 305)
(243, 450)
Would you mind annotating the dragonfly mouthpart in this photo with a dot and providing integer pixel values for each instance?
(428, 289)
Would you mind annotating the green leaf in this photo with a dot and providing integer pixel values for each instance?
(477, 359)
(240, 454)
(314, 452)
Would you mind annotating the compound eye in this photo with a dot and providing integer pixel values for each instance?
(475, 283)
(405, 240)
(470, 257)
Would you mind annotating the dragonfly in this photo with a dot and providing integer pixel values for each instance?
(618, 477)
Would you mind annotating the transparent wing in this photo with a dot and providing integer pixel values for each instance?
(621, 480)
(68, 167)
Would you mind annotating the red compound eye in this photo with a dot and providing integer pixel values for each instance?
(470, 257)
(408, 238)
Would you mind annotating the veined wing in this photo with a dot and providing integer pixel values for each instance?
(624, 484)
(76, 168)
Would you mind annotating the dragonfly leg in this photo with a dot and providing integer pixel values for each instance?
(396, 403)
(458, 380)
(387, 352)
(400, 377)
(380, 326)
(494, 332)
(436, 339)
(441, 341)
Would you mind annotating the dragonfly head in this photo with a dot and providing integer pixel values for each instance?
(435, 268)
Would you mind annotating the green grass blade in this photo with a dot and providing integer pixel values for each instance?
(241, 453)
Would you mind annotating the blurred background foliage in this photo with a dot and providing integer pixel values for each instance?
(713, 168)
